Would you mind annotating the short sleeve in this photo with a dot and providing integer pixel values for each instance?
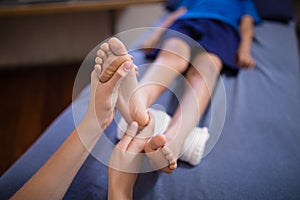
(250, 9)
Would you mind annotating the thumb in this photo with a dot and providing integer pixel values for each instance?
(123, 70)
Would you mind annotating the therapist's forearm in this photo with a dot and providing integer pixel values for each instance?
(53, 179)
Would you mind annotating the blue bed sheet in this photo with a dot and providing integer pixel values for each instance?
(257, 156)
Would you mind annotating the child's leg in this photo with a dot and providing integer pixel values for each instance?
(172, 60)
(109, 58)
(133, 100)
(201, 80)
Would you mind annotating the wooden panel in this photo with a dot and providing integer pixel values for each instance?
(69, 6)
(51, 39)
(31, 99)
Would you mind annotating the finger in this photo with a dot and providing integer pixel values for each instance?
(238, 63)
(252, 64)
(128, 136)
(132, 129)
(241, 64)
(136, 70)
(121, 72)
(248, 64)
(136, 145)
(139, 141)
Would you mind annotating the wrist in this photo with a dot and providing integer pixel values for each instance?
(244, 49)
(119, 191)
(94, 122)
(245, 45)
(119, 194)
(88, 133)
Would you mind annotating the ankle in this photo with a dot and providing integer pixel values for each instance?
(138, 110)
(142, 118)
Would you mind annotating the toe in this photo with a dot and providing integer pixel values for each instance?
(98, 60)
(101, 54)
(128, 136)
(117, 47)
(173, 162)
(98, 69)
(173, 167)
(169, 155)
(105, 48)
(155, 143)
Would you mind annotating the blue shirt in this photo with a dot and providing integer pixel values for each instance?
(227, 11)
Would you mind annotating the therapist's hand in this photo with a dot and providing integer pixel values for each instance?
(103, 97)
(126, 159)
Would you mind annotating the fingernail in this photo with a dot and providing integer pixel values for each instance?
(127, 66)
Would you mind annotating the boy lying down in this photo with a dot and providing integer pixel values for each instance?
(196, 25)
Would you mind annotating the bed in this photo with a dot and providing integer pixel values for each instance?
(256, 156)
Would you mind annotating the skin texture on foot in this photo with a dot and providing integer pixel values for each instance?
(110, 57)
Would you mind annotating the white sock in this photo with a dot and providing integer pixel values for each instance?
(194, 144)
(162, 121)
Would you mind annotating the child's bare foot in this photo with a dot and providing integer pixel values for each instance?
(160, 155)
(110, 57)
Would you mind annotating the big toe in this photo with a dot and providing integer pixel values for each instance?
(155, 143)
(117, 47)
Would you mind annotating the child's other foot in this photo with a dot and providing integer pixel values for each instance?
(160, 155)
(110, 57)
